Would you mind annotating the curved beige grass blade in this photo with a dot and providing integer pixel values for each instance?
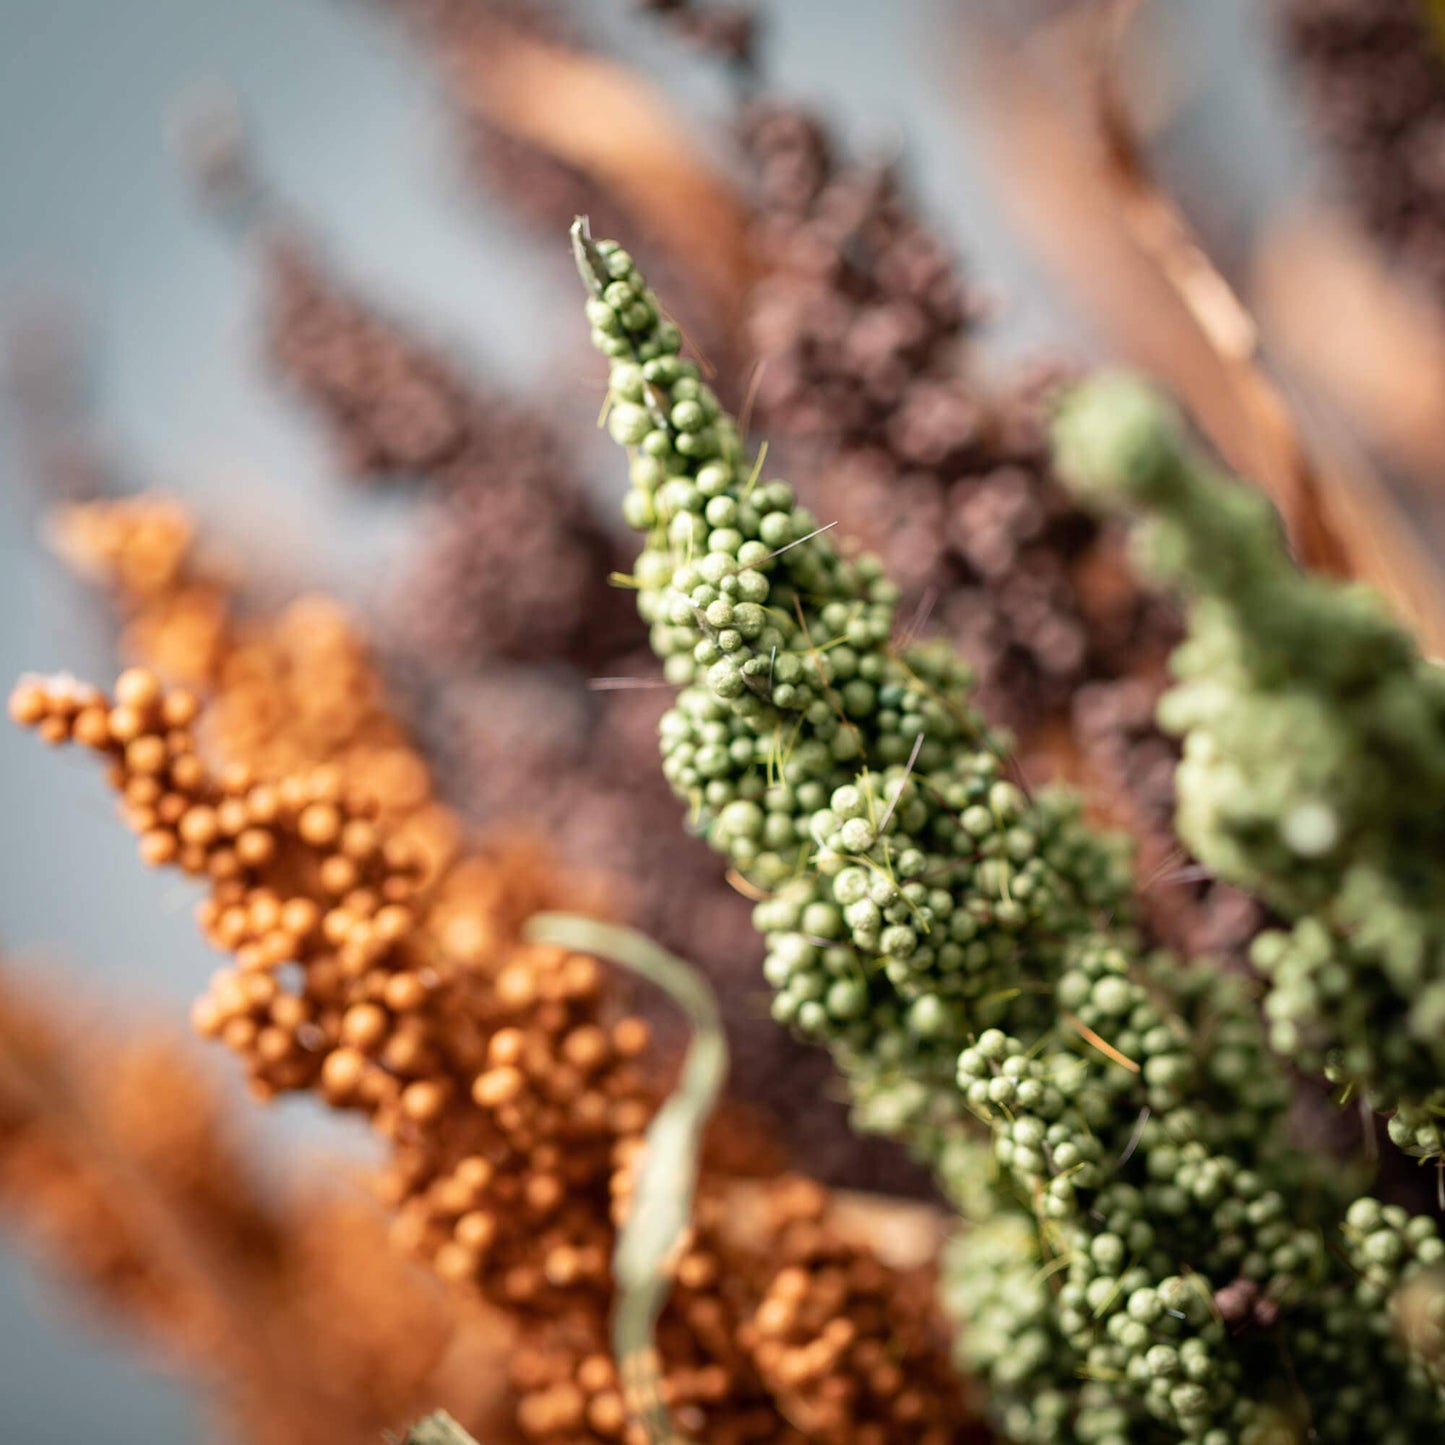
(662, 1199)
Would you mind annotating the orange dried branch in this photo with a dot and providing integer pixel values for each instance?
(114, 1156)
(287, 691)
(512, 1095)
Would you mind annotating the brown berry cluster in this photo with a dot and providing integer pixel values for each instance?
(857, 330)
(298, 689)
(1373, 73)
(393, 410)
(514, 561)
(116, 1162)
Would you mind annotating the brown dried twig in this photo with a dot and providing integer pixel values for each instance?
(1377, 350)
(1280, 462)
(604, 120)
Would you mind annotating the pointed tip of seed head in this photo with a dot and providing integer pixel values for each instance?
(590, 265)
(1114, 436)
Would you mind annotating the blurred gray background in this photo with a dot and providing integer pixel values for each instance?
(97, 218)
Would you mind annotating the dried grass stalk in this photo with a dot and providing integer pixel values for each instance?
(1078, 186)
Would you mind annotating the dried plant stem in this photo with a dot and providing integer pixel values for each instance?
(1282, 463)
(1099, 219)
(650, 1239)
(600, 117)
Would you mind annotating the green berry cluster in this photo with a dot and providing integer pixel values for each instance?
(1142, 1238)
(1313, 769)
(997, 1278)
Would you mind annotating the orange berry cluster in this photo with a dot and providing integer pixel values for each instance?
(115, 1161)
(285, 691)
(779, 1329)
(174, 609)
(512, 1095)
(847, 1347)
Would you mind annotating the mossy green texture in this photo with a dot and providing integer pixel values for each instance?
(1145, 1249)
(1313, 769)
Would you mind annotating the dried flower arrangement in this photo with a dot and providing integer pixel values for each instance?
(855, 347)
(1147, 1252)
(534, 700)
